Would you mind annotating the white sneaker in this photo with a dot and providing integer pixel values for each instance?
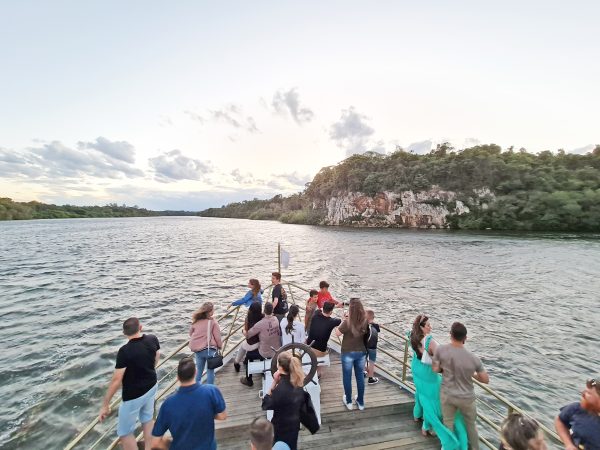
(360, 407)
(348, 406)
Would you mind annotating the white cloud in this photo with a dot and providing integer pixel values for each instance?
(351, 132)
(121, 150)
(173, 166)
(288, 102)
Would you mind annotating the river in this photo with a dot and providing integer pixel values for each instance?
(530, 301)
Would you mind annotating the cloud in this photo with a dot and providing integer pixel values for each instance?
(286, 102)
(174, 166)
(231, 115)
(121, 150)
(242, 178)
(583, 150)
(54, 160)
(295, 178)
(420, 147)
(470, 142)
(195, 116)
(351, 132)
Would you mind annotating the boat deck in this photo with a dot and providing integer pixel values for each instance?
(386, 422)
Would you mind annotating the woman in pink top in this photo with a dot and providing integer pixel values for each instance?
(205, 339)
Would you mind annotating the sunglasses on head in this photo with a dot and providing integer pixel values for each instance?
(593, 383)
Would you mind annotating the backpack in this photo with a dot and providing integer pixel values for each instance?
(371, 337)
(282, 305)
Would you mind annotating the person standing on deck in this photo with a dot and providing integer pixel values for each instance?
(279, 296)
(325, 296)
(354, 329)
(205, 339)
(311, 307)
(253, 295)
(190, 413)
(135, 372)
(458, 367)
(427, 394)
(286, 397)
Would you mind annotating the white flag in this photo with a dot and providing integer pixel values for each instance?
(285, 259)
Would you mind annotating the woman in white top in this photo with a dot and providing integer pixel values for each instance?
(292, 328)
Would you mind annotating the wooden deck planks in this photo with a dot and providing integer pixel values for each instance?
(386, 423)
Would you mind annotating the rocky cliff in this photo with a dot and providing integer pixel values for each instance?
(407, 209)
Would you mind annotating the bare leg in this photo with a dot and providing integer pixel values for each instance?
(371, 369)
(129, 443)
(147, 428)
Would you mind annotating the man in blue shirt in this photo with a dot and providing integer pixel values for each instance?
(190, 413)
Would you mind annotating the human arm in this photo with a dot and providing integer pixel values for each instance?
(342, 328)
(254, 330)
(113, 387)
(481, 374)
(216, 334)
(564, 434)
(157, 358)
(436, 363)
(432, 347)
(242, 301)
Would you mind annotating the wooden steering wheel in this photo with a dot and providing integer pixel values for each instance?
(299, 351)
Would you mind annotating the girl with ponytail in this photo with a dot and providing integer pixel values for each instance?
(285, 398)
(292, 329)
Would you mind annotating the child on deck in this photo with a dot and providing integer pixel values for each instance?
(311, 306)
(373, 334)
(325, 296)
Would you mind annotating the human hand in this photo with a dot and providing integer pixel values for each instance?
(276, 377)
(104, 411)
(571, 447)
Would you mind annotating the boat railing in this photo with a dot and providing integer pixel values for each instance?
(493, 407)
(233, 326)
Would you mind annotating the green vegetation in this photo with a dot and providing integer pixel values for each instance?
(510, 190)
(10, 210)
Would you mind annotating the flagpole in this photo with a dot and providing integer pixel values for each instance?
(279, 257)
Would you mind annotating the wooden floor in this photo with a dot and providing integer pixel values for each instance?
(386, 422)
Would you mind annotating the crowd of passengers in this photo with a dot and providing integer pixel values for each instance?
(443, 375)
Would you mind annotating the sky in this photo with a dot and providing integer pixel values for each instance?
(193, 104)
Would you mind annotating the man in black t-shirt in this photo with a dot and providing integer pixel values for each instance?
(280, 306)
(321, 326)
(135, 372)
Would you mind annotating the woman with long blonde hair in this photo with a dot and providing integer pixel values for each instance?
(285, 398)
(353, 328)
(205, 339)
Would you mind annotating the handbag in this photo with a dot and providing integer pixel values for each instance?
(426, 357)
(216, 360)
(308, 415)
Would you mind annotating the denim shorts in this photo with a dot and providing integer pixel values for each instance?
(372, 354)
(129, 411)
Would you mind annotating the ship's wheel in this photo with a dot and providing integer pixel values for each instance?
(299, 351)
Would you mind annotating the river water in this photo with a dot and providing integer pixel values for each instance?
(530, 301)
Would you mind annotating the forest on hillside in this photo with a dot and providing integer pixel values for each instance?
(544, 191)
(11, 210)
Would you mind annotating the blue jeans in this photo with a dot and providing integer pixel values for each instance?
(356, 360)
(201, 358)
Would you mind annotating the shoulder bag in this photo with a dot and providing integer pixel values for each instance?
(216, 360)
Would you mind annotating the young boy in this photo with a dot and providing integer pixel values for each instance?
(372, 347)
(325, 296)
(311, 306)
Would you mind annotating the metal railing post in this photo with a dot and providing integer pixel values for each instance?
(405, 361)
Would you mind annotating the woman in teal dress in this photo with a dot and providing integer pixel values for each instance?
(427, 395)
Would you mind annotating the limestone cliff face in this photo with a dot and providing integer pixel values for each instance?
(407, 209)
